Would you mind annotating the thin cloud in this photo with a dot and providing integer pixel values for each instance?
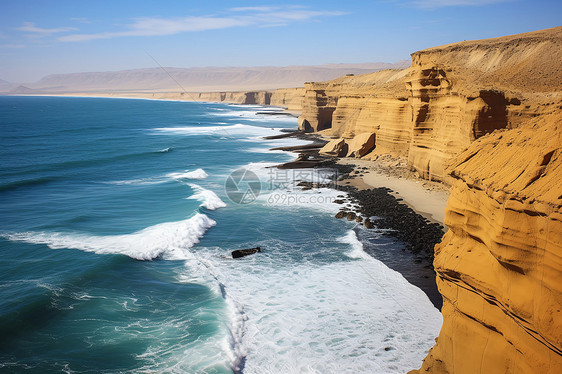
(248, 16)
(30, 27)
(432, 4)
(12, 46)
(83, 20)
(159, 27)
(255, 9)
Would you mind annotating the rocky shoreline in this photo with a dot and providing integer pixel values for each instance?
(379, 211)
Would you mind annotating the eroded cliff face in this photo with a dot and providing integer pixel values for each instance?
(290, 98)
(242, 97)
(499, 267)
(449, 97)
(231, 97)
(487, 117)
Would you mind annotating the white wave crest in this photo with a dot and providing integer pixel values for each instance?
(195, 174)
(209, 199)
(137, 182)
(169, 240)
(356, 246)
(237, 129)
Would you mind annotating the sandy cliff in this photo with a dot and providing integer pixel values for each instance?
(487, 117)
(290, 98)
(500, 264)
(231, 97)
(450, 96)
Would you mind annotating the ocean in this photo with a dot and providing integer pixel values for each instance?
(117, 219)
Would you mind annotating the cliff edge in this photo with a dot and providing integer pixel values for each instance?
(486, 117)
(449, 97)
(499, 267)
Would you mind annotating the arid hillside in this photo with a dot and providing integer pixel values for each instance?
(204, 79)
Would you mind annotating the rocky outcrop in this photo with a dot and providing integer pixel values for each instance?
(449, 97)
(241, 97)
(356, 147)
(231, 97)
(337, 104)
(290, 98)
(361, 144)
(499, 267)
(335, 147)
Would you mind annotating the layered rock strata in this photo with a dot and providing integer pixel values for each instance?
(487, 116)
(289, 98)
(499, 267)
(449, 97)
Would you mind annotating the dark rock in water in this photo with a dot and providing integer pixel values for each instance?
(310, 185)
(359, 219)
(338, 201)
(286, 135)
(351, 216)
(368, 224)
(340, 214)
(245, 252)
(299, 164)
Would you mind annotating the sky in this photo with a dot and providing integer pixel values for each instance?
(39, 37)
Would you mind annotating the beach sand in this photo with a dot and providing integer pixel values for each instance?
(428, 199)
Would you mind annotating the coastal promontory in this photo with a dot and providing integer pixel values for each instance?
(485, 118)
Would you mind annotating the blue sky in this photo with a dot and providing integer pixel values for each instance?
(39, 37)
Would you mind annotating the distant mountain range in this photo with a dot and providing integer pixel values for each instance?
(6, 86)
(193, 79)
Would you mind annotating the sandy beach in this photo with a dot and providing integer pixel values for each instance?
(428, 199)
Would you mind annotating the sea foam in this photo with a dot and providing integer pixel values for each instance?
(280, 190)
(169, 240)
(195, 174)
(289, 317)
(356, 246)
(209, 199)
(228, 131)
(178, 176)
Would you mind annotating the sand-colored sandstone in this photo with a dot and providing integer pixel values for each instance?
(361, 144)
(500, 264)
(486, 116)
(449, 97)
(335, 147)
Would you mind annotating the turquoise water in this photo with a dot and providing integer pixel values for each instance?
(115, 235)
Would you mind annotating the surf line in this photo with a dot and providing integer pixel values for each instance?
(238, 363)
